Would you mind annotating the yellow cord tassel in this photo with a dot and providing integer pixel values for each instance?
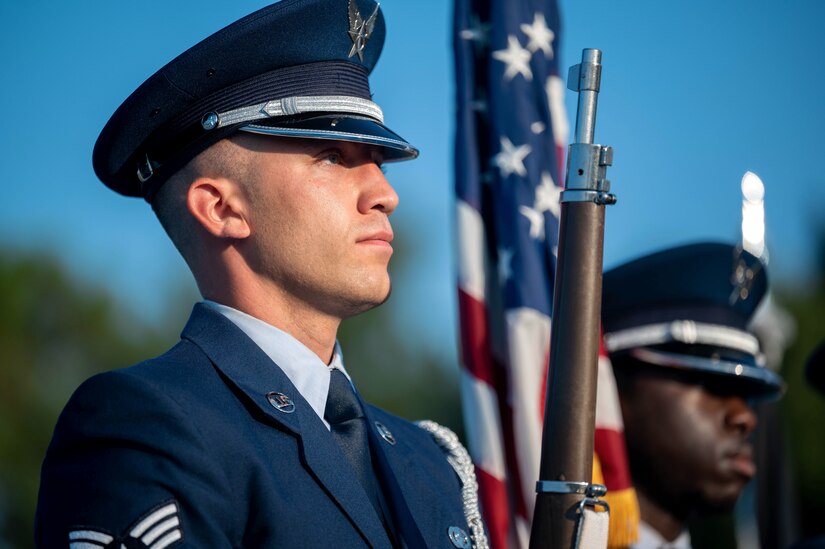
(623, 530)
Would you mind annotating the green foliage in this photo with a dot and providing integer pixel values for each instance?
(54, 333)
(803, 408)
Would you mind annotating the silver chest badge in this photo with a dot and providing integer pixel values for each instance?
(360, 30)
(385, 433)
(281, 402)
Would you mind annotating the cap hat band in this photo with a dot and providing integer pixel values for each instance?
(288, 106)
(682, 331)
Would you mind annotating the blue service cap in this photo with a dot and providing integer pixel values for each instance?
(689, 308)
(295, 68)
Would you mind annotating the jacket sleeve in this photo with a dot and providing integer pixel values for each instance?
(126, 461)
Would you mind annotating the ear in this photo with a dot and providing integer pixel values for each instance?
(219, 207)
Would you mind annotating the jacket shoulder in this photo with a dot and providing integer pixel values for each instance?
(128, 444)
(459, 459)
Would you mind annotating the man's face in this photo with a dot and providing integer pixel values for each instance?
(319, 218)
(687, 442)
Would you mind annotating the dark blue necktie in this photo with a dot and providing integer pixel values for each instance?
(348, 426)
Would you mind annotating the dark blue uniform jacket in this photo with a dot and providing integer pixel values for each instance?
(186, 450)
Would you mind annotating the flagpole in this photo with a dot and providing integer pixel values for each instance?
(570, 409)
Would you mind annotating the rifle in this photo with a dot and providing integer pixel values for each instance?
(564, 489)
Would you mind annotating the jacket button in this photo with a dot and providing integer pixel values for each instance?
(459, 537)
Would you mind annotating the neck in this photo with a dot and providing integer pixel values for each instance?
(659, 518)
(315, 329)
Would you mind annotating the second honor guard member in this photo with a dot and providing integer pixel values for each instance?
(687, 368)
(260, 151)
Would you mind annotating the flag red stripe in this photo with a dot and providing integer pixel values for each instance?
(475, 341)
(510, 452)
(560, 150)
(610, 446)
(493, 494)
(478, 362)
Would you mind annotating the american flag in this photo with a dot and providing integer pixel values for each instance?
(511, 132)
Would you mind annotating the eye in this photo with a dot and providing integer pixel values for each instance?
(334, 157)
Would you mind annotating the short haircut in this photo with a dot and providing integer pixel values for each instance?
(225, 159)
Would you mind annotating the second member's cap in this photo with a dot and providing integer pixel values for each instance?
(689, 308)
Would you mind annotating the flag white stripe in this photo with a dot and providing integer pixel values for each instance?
(523, 531)
(84, 545)
(153, 519)
(608, 409)
(558, 114)
(529, 337)
(471, 252)
(484, 435)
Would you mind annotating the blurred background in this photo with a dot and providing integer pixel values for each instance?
(693, 95)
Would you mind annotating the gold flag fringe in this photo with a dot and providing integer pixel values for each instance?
(623, 530)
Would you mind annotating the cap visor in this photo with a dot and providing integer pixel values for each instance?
(340, 128)
(736, 377)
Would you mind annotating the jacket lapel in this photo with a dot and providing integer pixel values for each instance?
(419, 509)
(406, 526)
(249, 369)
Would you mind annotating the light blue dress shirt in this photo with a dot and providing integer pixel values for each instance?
(304, 368)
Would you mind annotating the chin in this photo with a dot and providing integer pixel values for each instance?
(377, 289)
(388, 292)
(367, 300)
(382, 295)
(722, 500)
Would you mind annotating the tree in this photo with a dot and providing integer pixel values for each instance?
(54, 333)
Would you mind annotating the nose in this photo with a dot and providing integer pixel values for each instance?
(377, 193)
(739, 416)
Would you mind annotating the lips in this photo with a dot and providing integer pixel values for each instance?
(741, 463)
(378, 237)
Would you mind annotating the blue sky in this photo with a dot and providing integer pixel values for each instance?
(693, 95)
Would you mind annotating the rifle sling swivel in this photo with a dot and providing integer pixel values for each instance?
(563, 487)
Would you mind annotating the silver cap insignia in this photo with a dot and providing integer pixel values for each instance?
(742, 276)
(360, 30)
